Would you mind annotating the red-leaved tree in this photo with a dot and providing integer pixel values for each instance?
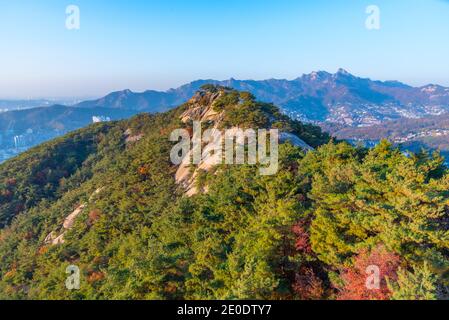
(302, 241)
(367, 279)
(307, 285)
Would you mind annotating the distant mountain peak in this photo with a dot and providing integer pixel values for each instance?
(343, 74)
(342, 71)
(316, 75)
(339, 97)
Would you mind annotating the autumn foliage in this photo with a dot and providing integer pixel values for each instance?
(94, 215)
(95, 276)
(302, 238)
(359, 280)
(308, 286)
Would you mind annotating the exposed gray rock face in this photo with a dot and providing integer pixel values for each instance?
(53, 238)
(70, 220)
(134, 138)
(201, 109)
(50, 238)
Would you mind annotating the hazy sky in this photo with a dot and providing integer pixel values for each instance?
(158, 44)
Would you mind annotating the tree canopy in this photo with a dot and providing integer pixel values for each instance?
(308, 232)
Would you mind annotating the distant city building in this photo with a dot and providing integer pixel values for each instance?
(96, 119)
(18, 141)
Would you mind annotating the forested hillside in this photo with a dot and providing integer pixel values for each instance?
(105, 199)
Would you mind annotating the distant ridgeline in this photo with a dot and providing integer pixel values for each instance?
(106, 200)
(338, 102)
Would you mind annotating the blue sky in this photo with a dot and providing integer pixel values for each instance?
(156, 44)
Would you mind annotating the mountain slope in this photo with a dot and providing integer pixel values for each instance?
(90, 139)
(105, 199)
